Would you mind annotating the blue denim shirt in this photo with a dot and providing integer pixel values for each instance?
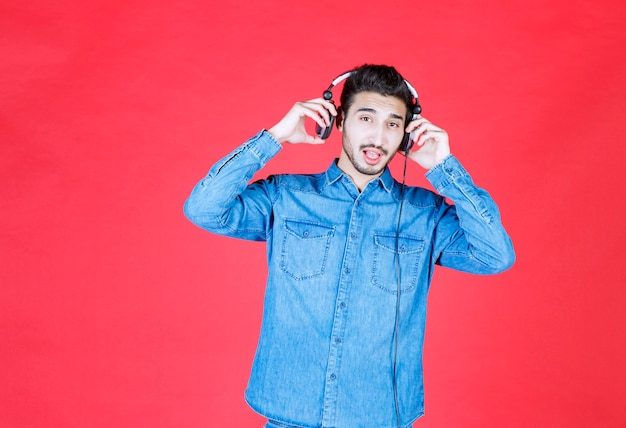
(325, 352)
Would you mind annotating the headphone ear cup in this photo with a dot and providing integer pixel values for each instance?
(324, 132)
(406, 143)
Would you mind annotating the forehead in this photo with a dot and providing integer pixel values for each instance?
(379, 104)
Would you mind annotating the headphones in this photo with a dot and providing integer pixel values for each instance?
(324, 132)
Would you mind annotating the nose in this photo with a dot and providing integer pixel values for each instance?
(377, 135)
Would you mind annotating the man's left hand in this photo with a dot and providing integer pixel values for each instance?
(431, 146)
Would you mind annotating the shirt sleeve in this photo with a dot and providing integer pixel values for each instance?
(469, 235)
(224, 203)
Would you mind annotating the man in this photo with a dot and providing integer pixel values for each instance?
(351, 253)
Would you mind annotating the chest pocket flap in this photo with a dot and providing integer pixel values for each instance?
(409, 249)
(305, 248)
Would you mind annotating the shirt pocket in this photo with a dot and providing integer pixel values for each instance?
(385, 269)
(305, 248)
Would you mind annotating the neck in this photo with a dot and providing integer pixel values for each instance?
(359, 179)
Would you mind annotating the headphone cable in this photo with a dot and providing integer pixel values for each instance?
(397, 318)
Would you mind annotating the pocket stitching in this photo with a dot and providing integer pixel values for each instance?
(380, 244)
(320, 233)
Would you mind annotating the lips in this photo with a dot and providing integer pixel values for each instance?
(372, 156)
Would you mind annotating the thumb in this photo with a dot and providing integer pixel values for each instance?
(314, 139)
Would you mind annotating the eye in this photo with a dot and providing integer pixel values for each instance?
(366, 118)
(394, 124)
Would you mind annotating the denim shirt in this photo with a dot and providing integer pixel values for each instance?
(325, 351)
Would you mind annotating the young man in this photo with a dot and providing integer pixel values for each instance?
(351, 253)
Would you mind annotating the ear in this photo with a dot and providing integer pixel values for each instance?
(339, 119)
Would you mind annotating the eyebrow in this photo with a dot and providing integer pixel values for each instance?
(372, 110)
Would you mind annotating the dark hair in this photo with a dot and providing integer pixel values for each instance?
(381, 79)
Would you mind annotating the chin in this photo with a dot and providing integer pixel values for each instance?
(371, 169)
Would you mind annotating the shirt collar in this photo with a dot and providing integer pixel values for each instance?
(334, 173)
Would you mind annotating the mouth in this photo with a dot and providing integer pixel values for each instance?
(372, 155)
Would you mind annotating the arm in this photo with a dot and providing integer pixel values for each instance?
(469, 235)
(224, 203)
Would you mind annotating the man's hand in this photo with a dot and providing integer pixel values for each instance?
(291, 129)
(431, 143)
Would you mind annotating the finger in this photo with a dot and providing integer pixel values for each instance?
(315, 112)
(415, 123)
(429, 135)
(418, 134)
(420, 125)
(322, 108)
(421, 139)
(328, 104)
(318, 140)
(313, 139)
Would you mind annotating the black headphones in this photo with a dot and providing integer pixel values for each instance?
(324, 132)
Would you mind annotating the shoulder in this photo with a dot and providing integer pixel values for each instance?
(418, 196)
(298, 182)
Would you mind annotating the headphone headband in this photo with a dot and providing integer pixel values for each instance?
(328, 95)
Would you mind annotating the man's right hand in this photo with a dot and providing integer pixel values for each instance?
(291, 128)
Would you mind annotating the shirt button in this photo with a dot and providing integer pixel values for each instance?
(347, 270)
(342, 305)
(333, 376)
(338, 340)
(353, 235)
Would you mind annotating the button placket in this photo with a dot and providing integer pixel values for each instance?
(341, 314)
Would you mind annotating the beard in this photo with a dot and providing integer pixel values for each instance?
(361, 166)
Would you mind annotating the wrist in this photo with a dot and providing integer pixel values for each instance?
(440, 160)
(276, 134)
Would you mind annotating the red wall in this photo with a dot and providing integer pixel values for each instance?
(117, 312)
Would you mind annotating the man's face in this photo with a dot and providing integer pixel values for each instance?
(373, 129)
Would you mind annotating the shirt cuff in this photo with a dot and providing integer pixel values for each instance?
(446, 172)
(263, 146)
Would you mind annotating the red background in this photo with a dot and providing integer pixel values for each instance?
(117, 312)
